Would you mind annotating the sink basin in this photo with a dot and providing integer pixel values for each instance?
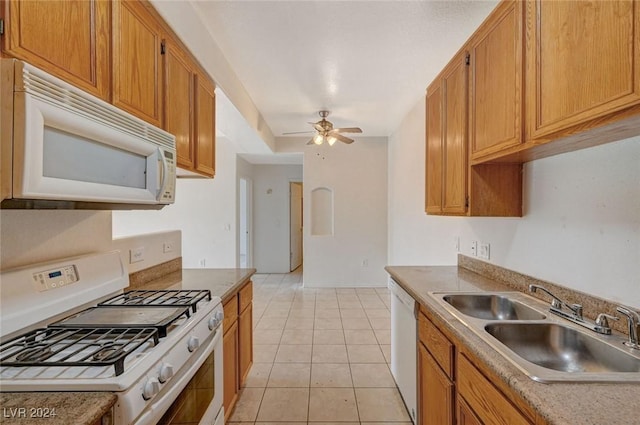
(562, 348)
(491, 307)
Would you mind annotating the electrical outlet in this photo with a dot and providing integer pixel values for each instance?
(167, 247)
(136, 255)
(456, 242)
(474, 248)
(365, 262)
(483, 250)
(203, 263)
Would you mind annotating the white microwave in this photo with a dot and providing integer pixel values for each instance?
(64, 148)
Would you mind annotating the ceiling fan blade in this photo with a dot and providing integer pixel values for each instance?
(348, 130)
(318, 127)
(298, 132)
(342, 138)
(310, 142)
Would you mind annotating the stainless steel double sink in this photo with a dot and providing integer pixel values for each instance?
(545, 347)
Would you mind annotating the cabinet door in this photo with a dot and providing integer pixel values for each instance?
(230, 364)
(466, 415)
(497, 81)
(178, 104)
(436, 392)
(486, 401)
(433, 186)
(454, 83)
(137, 74)
(205, 126)
(245, 326)
(69, 39)
(583, 62)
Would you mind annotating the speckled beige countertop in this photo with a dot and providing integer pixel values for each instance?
(222, 283)
(556, 403)
(61, 408)
(84, 408)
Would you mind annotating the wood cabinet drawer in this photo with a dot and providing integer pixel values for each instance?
(486, 401)
(230, 313)
(246, 295)
(438, 345)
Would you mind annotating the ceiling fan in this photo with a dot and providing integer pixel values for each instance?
(325, 131)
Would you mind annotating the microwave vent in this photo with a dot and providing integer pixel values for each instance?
(53, 90)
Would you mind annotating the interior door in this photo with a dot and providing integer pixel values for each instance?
(295, 202)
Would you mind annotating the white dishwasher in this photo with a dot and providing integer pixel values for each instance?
(403, 346)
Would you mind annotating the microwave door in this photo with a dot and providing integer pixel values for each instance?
(60, 154)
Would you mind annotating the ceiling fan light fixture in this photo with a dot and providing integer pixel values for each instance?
(331, 140)
(318, 139)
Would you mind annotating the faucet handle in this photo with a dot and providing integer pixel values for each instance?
(577, 309)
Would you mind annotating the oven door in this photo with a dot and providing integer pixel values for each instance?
(196, 396)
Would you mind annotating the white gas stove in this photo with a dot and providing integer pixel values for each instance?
(68, 326)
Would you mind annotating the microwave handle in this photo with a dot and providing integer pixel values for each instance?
(164, 171)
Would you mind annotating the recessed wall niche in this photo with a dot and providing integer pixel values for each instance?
(321, 211)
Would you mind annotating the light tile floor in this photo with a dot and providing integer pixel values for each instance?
(321, 356)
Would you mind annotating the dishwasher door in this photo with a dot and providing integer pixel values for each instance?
(404, 347)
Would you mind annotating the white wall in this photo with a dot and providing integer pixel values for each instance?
(357, 174)
(32, 236)
(581, 227)
(205, 212)
(271, 216)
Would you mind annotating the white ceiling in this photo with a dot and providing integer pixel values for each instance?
(368, 62)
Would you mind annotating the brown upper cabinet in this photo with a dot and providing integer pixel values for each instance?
(454, 146)
(137, 61)
(189, 109)
(434, 161)
(583, 63)
(453, 187)
(497, 81)
(179, 80)
(123, 52)
(205, 140)
(69, 39)
(447, 140)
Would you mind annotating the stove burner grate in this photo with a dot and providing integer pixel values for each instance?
(75, 347)
(177, 298)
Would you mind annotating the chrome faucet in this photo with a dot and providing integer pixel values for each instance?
(601, 325)
(557, 303)
(633, 320)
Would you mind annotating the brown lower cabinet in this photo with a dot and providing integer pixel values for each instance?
(230, 354)
(456, 388)
(238, 344)
(437, 392)
(245, 329)
(466, 415)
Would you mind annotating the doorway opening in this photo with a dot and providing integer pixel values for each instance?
(244, 227)
(295, 225)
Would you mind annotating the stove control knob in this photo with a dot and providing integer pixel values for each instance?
(214, 322)
(219, 316)
(151, 388)
(166, 372)
(193, 344)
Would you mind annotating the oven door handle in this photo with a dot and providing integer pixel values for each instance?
(159, 406)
